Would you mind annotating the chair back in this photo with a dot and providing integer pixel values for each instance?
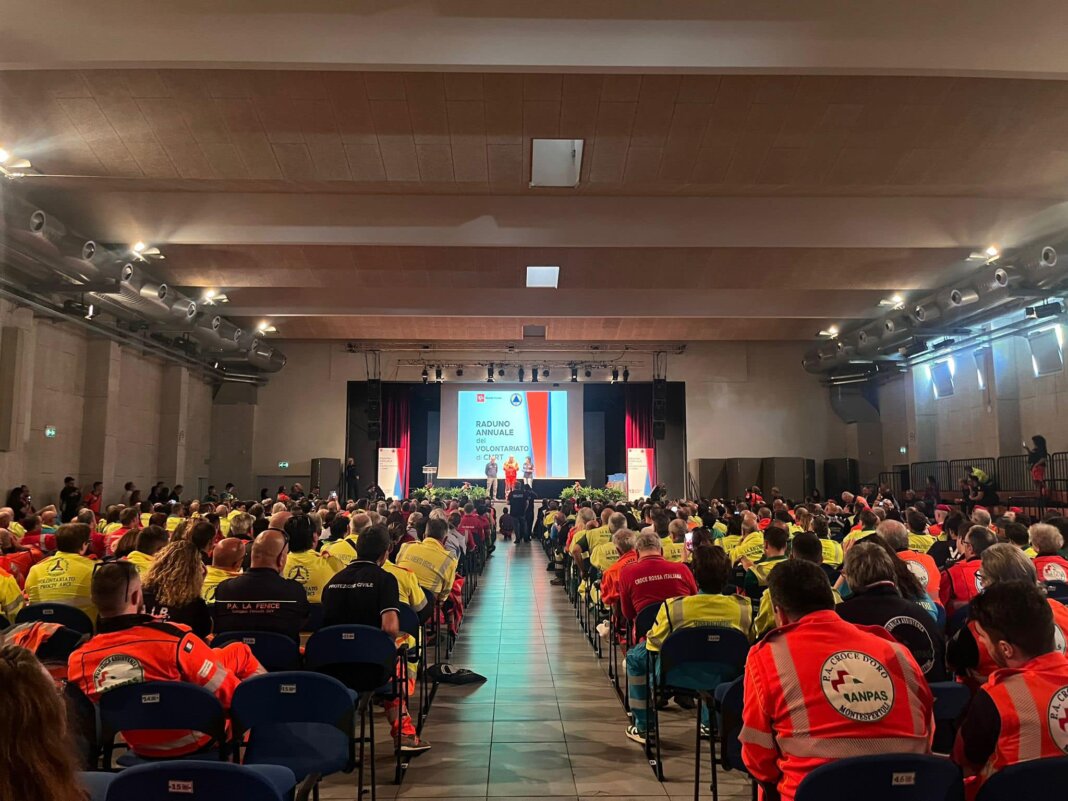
(96, 784)
(957, 620)
(361, 657)
(66, 615)
(273, 650)
(645, 618)
(1057, 590)
(156, 705)
(705, 655)
(1034, 779)
(729, 699)
(315, 618)
(886, 777)
(193, 780)
(292, 696)
(409, 621)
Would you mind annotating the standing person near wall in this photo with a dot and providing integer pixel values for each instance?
(1037, 459)
(352, 480)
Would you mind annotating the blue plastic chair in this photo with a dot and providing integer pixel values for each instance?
(315, 618)
(364, 660)
(96, 783)
(410, 625)
(950, 701)
(192, 780)
(1057, 590)
(697, 659)
(957, 620)
(886, 777)
(156, 705)
(66, 615)
(645, 619)
(1038, 778)
(730, 698)
(298, 719)
(273, 650)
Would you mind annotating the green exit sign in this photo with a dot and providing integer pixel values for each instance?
(281, 465)
(50, 432)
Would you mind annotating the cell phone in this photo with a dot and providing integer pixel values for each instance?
(674, 508)
(333, 495)
(689, 537)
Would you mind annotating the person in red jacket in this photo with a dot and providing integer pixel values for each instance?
(1021, 713)
(1047, 542)
(130, 648)
(652, 579)
(819, 689)
(473, 526)
(962, 581)
(511, 469)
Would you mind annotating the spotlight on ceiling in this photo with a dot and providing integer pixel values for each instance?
(588, 373)
(615, 374)
(489, 374)
(438, 374)
(830, 331)
(992, 252)
(545, 373)
(534, 374)
(626, 374)
(1043, 310)
(520, 372)
(574, 375)
(425, 375)
(500, 372)
(4, 156)
(459, 372)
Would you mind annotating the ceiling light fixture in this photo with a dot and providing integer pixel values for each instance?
(489, 374)
(4, 156)
(831, 332)
(992, 252)
(534, 374)
(543, 277)
(626, 374)
(424, 375)
(438, 376)
(520, 372)
(459, 372)
(556, 162)
(615, 374)
(574, 375)
(138, 247)
(588, 373)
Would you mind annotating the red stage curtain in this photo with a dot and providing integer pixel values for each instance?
(395, 416)
(638, 403)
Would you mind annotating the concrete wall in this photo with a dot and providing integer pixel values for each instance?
(120, 414)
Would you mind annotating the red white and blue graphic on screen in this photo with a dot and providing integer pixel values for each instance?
(515, 422)
(393, 471)
(639, 472)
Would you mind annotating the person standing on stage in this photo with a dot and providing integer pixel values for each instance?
(491, 477)
(528, 472)
(352, 480)
(511, 469)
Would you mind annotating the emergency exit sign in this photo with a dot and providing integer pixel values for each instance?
(50, 432)
(281, 465)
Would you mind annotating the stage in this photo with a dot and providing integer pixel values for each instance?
(610, 418)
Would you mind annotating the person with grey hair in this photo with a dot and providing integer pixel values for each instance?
(624, 541)
(1001, 563)
(651, 579)
(876, 601)
(1047, 541)
(922, 566)
(605, 555)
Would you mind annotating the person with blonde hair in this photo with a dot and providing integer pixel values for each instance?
(173, 587)
(37, 762)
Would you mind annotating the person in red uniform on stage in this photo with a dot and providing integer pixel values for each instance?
(652, 578)
(1021, 713)
(819, 689)
(130, 648)
(962, 581)
(511, 469)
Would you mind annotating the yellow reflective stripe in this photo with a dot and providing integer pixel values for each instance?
(1023, 703)
(844, 747)
(793, 693)
(745, 614)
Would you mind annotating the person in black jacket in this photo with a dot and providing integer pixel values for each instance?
(876, 601)
(260, 599)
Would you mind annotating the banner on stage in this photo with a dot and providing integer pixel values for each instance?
(393, 472)
(639, 472)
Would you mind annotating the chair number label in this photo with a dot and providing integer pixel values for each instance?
(903, 779)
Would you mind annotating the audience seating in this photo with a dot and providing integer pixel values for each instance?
(96, 783)
(950, 701)
(729, 699)
(410, 625)
(364, 659)
(161, 705)
(887, 777)
(274, 651)
(298, 719)
(1036, 779)
(194, 780)
(66, 615)
(1057, 590)
(694, 660)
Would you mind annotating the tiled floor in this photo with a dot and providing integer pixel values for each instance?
(547, 722)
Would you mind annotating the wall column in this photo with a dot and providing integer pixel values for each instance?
(17, 345)
(233, 428)
(173, 422)
(102, 418)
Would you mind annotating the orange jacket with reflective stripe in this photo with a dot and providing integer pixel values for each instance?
(987, 666)
(960, 584)
(924, 568)
(1032, 702)
(133, 648)
(823, 689)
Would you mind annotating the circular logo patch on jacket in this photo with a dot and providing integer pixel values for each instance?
(1057, 717)
(857, 686)
(1054, 572)
(117, 670)
(918, 570)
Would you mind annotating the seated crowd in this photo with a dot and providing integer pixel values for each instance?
(853, 608)
(158, 580)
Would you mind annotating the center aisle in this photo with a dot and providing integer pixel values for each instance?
(547, 722)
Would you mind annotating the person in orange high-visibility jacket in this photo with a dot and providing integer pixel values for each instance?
(130, 648)
(819, 689)
(1021, 713)
(962, 581)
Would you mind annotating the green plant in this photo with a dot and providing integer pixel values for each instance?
(607, 495)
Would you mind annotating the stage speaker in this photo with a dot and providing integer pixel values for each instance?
(374, 430)
(326, 475)
(742, 473)
(659, 429)
(659, 400)
(373, 409)
(794, 476)
(840, 475)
